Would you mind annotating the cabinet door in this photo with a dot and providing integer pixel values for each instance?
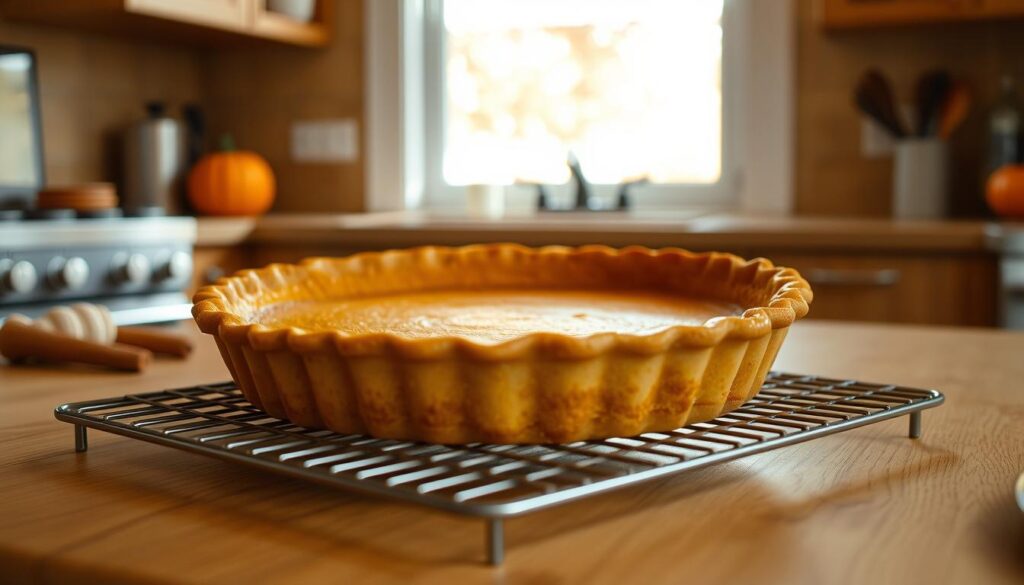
(272, 25)
(227, 14)
(211, 263)
(899, 289)
(864, 13)
(997, 8)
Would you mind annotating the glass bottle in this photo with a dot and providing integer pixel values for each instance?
(1004, 127)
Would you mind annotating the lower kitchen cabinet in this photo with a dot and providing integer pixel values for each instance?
(941, 290)
(895, 287)
(211, 262)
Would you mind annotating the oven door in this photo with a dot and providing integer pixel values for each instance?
(1012, 292)
(144, 309)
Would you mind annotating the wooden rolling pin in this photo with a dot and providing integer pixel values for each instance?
(85, 333)
(94, 323)
(20, 340)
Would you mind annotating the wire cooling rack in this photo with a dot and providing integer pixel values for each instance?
(492, 481)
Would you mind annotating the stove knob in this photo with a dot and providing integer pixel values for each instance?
(17, 277)
(131, 269)
(71, 274)
(177, 267)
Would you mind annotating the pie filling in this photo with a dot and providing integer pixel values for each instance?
(494, 316)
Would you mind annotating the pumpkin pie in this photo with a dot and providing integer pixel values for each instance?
(503, 343)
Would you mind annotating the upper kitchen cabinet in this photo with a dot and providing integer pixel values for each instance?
(208, 22)
(227, 14)
(848, 14)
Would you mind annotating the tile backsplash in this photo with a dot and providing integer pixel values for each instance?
(833, 177)
(92, 87)
(258, 93)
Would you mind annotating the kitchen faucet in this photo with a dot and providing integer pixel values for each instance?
(584, 199)
(583, 190)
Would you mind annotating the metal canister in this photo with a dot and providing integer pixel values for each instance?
(154, 164)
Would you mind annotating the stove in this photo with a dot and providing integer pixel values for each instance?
(139, 267)
(1008, 240)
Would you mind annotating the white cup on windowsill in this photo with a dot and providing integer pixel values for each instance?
(486, 201)
(920, 185)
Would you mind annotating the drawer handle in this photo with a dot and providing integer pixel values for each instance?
(853, 276)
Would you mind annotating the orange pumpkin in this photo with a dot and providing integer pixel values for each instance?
(231, 182)
(1005, 191)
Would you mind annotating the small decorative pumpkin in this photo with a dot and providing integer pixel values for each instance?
(231, 182)
(1005, 191)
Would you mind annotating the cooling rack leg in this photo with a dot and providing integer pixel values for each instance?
(915, 425)
(81, 439)
(495, 541)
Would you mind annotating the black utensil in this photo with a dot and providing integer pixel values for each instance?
(930, 94)
(869, 108)
(195, 137)
(874, 96)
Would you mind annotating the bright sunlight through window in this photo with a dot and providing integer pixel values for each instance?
(632, 88)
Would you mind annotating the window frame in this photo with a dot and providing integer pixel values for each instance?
(405, 113)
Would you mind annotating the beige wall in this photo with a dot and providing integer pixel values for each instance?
(92, 87)
(832, 177)
(256, 93)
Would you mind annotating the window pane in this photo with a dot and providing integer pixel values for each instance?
(633, 88)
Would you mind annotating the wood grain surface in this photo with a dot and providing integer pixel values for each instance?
(865, 506)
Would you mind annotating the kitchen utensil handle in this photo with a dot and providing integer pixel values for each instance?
(155, 340)
(882, 277)
(20, 341)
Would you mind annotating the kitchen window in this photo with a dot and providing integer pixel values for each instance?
(501, 91)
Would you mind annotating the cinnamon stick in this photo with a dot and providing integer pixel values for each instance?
(155, 340)
(20, 341)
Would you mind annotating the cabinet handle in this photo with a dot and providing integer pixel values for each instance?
(853, 276)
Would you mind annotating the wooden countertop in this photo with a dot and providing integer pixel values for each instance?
(680, 228)
(864, 506)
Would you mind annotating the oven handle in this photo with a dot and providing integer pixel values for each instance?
(883, 277)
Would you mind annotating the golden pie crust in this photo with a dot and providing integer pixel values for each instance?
(450, 384)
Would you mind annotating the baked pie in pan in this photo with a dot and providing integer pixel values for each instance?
(503, 343)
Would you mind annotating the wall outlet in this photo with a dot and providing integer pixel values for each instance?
(325, 141)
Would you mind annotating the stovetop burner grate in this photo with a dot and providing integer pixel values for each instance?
(492, 481)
